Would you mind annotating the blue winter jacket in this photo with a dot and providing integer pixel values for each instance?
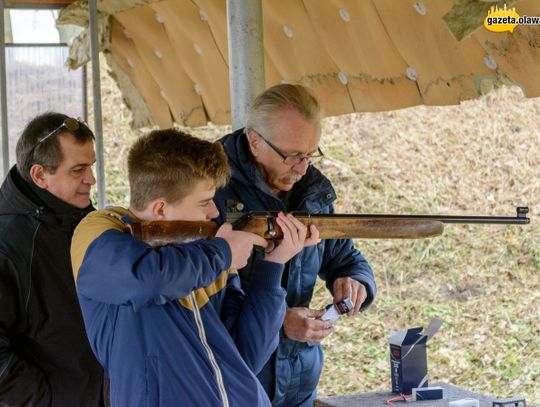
(292, 374)
(171, 325)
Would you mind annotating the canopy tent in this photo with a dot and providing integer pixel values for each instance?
(171, 58)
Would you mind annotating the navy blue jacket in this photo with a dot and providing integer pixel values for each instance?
(171, 325)
(329, 260)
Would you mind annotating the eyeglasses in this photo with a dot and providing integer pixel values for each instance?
(69, 124)
(293, 160)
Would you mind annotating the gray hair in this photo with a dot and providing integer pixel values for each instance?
(267, 105)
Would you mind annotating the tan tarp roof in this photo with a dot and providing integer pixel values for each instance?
(170, 57)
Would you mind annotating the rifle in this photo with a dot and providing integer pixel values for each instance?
(333, 226)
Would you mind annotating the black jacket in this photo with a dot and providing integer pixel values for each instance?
(45, 358)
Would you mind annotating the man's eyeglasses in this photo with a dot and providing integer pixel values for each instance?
(293, 160)
(69, 124)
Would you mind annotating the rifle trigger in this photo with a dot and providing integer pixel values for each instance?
(271, 231)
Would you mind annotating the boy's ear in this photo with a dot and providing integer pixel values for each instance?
(157, 208)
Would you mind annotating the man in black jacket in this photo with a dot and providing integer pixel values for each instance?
(45, 358)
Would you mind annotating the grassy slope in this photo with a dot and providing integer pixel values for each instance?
(478, 158)
(482, 157)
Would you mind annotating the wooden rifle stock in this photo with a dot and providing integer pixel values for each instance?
(160, 233)
(333, 226)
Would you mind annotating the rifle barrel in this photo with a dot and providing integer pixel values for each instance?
(520, 218)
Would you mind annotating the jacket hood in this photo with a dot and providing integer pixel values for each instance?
(12, 199)
(312, 186)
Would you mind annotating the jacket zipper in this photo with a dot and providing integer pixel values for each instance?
(213, 362)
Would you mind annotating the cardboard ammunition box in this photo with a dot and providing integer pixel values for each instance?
(408, 358)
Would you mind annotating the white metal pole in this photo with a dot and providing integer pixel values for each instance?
(96, 86)
(246, 56)
(3, 95)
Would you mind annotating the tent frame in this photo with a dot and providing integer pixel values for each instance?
(246, 70)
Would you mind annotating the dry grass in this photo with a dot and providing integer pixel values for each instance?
(478, 158)
(482, 157)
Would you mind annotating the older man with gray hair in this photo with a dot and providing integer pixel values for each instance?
(272, 167)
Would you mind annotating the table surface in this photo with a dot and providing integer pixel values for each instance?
(379, 398)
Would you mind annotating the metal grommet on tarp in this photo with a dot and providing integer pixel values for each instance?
(420, 8)
(343, 77)
(411, 73)
(288, 31)
(202, 15)
(344, 14)
(159, 18)
(490, 62)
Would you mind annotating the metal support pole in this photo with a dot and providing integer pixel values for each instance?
(96, 86)
(246, 56)
(85, 93)
(3, 95)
